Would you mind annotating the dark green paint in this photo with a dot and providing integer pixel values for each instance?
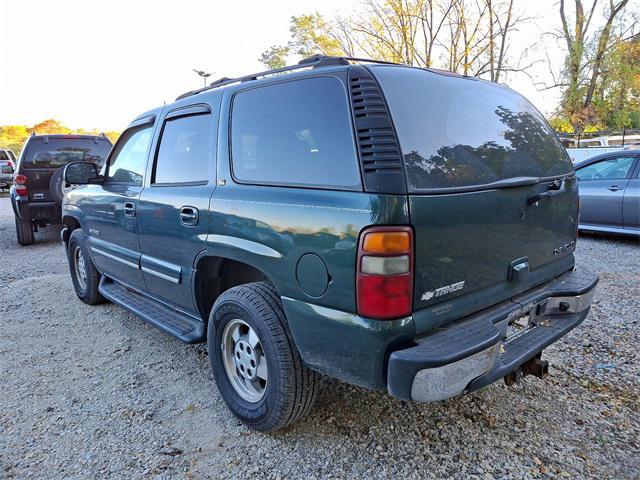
(471, 237)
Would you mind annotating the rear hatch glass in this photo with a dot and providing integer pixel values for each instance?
(475, 153)
(461, 132)
(57, 152)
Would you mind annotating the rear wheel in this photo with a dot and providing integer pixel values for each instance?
(24, 231)
(257, 367)
(84, 275)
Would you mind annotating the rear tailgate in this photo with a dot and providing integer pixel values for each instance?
(38, 183)
(476, 155)
(43, 156)
(467, 243)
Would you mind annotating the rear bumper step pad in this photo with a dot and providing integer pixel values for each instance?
(474, 352)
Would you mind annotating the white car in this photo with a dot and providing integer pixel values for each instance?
(7, 167)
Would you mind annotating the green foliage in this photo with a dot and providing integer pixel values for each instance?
(14, 136)
(310, 34)
(617, 101)
(275, 56)
(561, 124)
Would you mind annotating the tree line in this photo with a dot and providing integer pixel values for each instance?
(599, 80)
(13, 137)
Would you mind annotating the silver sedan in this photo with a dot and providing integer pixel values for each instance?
(610, 192)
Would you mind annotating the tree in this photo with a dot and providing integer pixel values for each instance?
(275, 56)
(465, 36)
(49, 126)
(586, 56)
(310, 34)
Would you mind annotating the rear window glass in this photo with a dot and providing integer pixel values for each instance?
(4, 155)
(57, 152)
(294, 133)
(457, 132)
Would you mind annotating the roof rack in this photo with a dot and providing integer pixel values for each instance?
(314, 61)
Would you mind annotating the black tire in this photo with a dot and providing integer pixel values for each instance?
(291, 388)
(24, 231)
(56, 186)
(88, 292)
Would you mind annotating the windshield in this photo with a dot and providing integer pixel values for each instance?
(57, 152)
(460, 132)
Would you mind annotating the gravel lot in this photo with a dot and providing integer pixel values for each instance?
(93, 392)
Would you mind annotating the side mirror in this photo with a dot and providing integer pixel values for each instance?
(80, 173)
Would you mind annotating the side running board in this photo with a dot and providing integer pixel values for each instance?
(185, 327)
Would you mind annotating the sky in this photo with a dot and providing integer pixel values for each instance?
(99, 63)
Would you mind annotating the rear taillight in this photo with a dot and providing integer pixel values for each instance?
(21, 187)
(384, 281)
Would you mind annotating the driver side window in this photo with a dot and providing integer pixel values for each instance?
(608, 169)
(128, 161)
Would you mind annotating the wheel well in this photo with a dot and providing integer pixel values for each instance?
(215, 275)
(70, 222)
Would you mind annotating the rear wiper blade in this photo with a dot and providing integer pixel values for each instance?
(513, 182)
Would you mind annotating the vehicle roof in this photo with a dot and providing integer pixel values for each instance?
(308, 67)
(68, 135)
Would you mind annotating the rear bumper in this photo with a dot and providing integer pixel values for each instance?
(49, 212)
(476, 351)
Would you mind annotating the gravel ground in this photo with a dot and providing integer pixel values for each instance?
(93, 392)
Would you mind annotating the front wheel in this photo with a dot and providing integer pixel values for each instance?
(84, 276)
(24, 231)
(257, 368)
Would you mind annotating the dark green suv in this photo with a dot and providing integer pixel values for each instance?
(397, 228)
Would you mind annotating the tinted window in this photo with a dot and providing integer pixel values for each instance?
(294, 133)
(13, 157)
(457, 132)
(129, 158)
(617, 167)
(57, 152)
(4, 155)
(183, 155)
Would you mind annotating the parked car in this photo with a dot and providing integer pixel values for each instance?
(37, 191)
(7, 167)
(381, 224)
(610, 193)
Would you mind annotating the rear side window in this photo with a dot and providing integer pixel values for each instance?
(459, 132)
(184, 152)
(294, 133)
(609, 169)
(57, 152)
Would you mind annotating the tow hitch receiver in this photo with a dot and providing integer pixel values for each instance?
(535, 366)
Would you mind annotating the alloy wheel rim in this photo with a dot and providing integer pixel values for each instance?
(81, 268)
(244, 360)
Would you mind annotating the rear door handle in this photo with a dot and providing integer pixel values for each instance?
(556, 187)
(129, 209)
(614, 188)
(189, 216)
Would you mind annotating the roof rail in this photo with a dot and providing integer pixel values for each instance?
(314, 61)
